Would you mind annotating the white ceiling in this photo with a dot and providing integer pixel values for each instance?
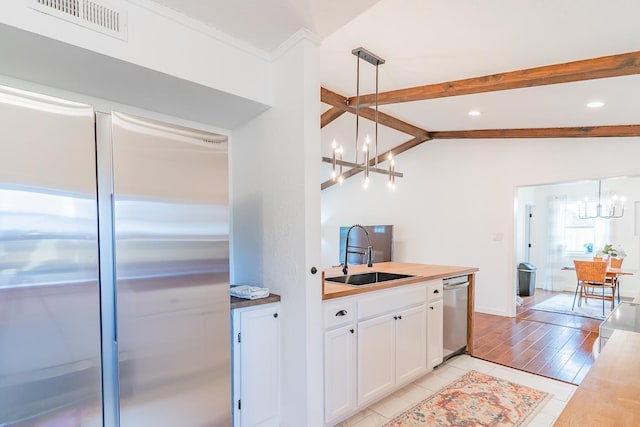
(268, 23)
(432, 41)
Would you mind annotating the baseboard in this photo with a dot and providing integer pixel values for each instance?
(488, 310)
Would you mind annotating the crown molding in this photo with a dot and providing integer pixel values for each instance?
(295, 38)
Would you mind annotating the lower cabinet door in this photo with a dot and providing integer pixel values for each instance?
(411, 344)
(376, 357)
(435, 344)
(339, 373)
(259, 382)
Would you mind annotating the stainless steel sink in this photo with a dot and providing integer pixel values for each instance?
(367, 278)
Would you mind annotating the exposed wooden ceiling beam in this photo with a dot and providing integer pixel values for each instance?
(334, 99)
(330, 115)
(340, 102)
(588, 69)
(562, 132)
(382, 157)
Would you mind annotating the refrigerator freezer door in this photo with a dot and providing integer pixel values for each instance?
(171, 224)
(49, 295)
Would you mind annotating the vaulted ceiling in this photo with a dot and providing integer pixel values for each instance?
(430, 42)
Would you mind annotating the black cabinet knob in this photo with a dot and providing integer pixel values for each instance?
(395, 317)
(341, 313)
(314, 270)
(437, 291)
(399, 317)
(351, 330)
(275, 314)
(431, 307)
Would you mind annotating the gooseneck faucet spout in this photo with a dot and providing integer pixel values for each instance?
(347, 251)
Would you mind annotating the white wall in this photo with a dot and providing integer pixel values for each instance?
(456, 203)
(161, 41)
(276, 202)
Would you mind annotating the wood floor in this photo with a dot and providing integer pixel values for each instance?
(551, 344)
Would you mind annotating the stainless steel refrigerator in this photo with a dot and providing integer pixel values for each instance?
(114, 269)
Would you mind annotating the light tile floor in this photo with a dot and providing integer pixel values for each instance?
(380, 412)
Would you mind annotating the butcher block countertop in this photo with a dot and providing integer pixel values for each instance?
(609, 396)
(421, 271)
(242, 302)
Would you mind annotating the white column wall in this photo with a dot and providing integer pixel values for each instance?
(276, 229)
(456, 203)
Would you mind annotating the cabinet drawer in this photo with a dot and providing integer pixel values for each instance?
(338, 313)
(434, 290)
(390, 300)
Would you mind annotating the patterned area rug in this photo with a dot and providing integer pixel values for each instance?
(475, 400)
(562, 304)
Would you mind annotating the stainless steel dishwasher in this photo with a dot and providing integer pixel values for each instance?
(455, 315)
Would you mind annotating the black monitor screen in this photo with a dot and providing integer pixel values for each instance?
(381, 237)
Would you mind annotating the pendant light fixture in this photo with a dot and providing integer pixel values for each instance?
(337, 161)
(611, 208)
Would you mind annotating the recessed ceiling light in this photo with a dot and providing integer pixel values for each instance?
(474, 113)
(595, 104)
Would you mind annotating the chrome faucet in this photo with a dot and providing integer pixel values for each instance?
(369, 249)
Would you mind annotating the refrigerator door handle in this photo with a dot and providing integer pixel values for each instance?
(113, 271)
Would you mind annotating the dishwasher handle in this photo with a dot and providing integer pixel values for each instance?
(456, 286)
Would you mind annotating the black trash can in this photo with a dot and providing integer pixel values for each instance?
(526, 279)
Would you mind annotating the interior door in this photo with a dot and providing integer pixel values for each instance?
(50, 366)
(171, 225)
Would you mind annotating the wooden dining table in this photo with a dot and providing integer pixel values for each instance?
(612, 272)
(615, 272)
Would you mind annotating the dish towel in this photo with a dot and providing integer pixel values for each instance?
(249, 292)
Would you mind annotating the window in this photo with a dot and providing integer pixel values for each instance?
(582, 236)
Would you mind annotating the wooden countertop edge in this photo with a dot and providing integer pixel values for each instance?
(241, 302)
(451, 271)
(610, 393)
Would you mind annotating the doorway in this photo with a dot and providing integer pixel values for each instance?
(550, 232)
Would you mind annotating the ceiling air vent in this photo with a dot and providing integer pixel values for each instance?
(95, 15)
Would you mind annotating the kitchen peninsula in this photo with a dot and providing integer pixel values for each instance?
(387, 328)
(421, 272)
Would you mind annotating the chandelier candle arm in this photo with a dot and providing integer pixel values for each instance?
(360, 166)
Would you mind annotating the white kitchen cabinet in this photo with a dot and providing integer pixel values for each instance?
(340, 340)
(256, 366)
(391, 352)
(435, 317)
(411, 344)
(340, 372)
(376, 357)
(375, 343)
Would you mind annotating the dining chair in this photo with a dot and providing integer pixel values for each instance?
(592, 275)
(615, 263)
